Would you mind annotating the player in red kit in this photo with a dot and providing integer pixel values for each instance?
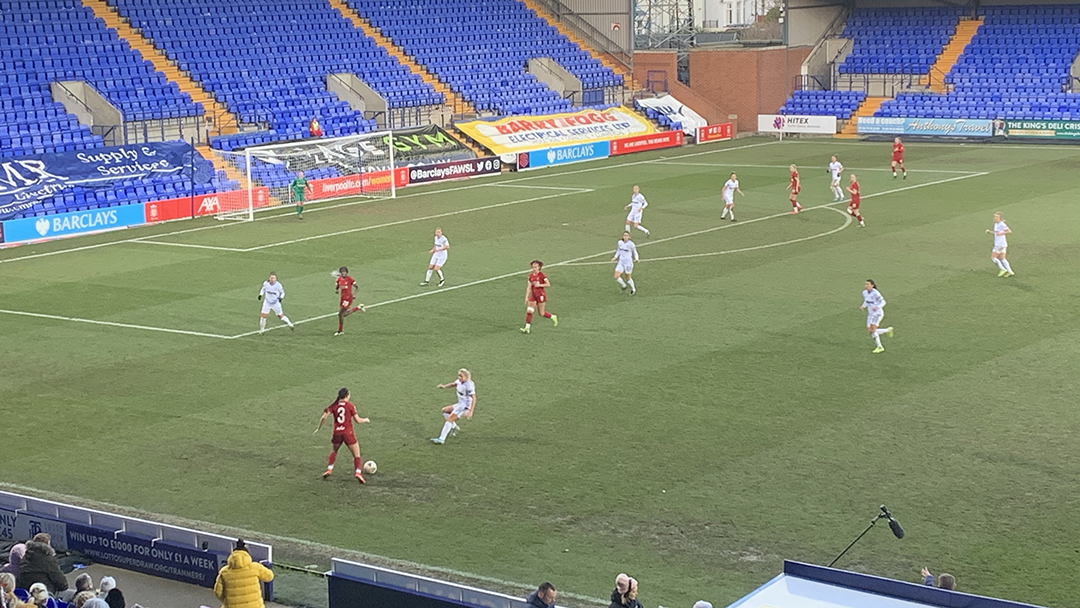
(853, 206)
(794, 189)
(898, 157)
(536, 297)
(344, 414)
(346, 286)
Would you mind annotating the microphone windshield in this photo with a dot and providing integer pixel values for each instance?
(897, 531)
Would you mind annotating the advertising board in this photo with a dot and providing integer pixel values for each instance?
(788, 123)
(64, 224)
(1039, 129)
(941, 127)
(515, 134)
(563, 155)
(719, 132)
(642, 143)
(457, 169)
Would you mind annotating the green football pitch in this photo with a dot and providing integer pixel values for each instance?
(728, 416)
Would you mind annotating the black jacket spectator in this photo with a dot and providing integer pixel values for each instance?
(39, 565)
(543, 597)
(115, 599)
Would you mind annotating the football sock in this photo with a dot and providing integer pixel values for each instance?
(621, 282)
(427, 277)
(627, 228)
(528, 318)
(881, 331)
(1005, 263)
(904, 170)
(456, 427)
(354, 309)
(877, 339)
(299, 209)
(262, 320)
(440, 274)
(731, 212)
(446, 427)
(546, 315)
(894, 173)
(286, 320)
(630, 282)
(333, 457)
(998, 262)
(643, 229)
(723, 213)
(358, 463)
(340, 325)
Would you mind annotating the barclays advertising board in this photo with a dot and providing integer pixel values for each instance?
(941, 127)
(62, 224)
(567, 154)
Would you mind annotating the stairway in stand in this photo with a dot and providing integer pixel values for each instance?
(214, 111)
(604, 58)
(221, 165)
(965, 31)
(866, 108)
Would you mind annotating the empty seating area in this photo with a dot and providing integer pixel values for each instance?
(481, 49)
(823, 103)
(897, 40)
(268, 61)
(46, 41)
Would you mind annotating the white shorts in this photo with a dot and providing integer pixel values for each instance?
(438, 259)
(835, 181)
(634, 216)
(874, 317)
(267, 307)
(459, 410)
(729, 200)
(625, 268)
(1000, 249)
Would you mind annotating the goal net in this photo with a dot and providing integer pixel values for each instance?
(312, 170)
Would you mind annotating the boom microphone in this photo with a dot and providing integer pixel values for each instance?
(897, 531)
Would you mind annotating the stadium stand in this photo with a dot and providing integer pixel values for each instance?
(897, 40)
(1017, 66)
(46, 41)
(823, 103)
(277, 76)
(481, 51)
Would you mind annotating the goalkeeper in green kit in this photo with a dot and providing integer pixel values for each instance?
(298, 187)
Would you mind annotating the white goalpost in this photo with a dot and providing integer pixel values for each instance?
(312, 170)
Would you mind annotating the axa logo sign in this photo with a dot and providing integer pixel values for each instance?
(209, 205)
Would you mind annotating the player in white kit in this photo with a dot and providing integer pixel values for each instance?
(731, 186)
(438, 258)
(466, 402)
(874, 304)
(636, 206)
(625, 255)
(271, 294)
(1000, 245)
(835, 170)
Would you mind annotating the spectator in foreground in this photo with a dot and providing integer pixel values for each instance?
(115, 598)
(14, 558)
(238, 581)
(39, 565)
(627, 598)
(39, 595)
(95, 602)
(543, 597)
(7, 590)
(945, 581)
(106, 585)
(82, 597)
(314, 128)
(83, 582)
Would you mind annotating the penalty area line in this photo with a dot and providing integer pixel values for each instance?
(270, 539)
(167, 330)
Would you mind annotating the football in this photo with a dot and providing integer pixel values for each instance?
(370, 467)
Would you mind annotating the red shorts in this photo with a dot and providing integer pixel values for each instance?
(340, 438)
(538, 296)
(346, 303)
(853, 205)
(795, 191)
(898, 158)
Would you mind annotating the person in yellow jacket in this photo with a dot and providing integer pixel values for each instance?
(237, 584)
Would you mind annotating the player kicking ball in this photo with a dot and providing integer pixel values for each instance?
(274, 293)
(438, 258)
(466, 403)
(625, 254)
(536, 296)
(346, 287)
(344, 414)
(874, 304)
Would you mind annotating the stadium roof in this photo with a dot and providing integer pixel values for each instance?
(808, 586)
